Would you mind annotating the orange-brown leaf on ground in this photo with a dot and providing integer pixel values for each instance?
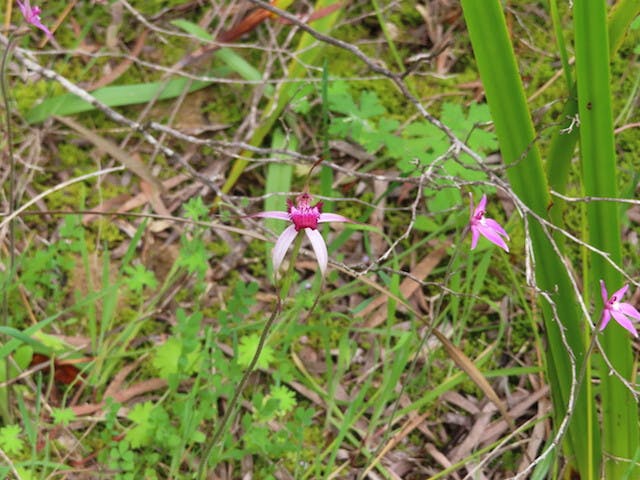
(316, 14)
(248, 24)
(122, 396)
(256, 17)
(245, 25)
(63, 370)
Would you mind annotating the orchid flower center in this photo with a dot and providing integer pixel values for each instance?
(479, 216)
(303, 215)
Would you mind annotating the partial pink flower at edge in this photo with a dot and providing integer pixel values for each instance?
(613, 307)
(488, 228)
(32, 16)
(303, 216)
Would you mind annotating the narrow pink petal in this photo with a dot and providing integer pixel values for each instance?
(606, 316)
(629, 310)
(332, 217)
(272, 214)
(38, 24)
(282, 245)
(620, 293)
(493, 237)
(483, 203)
(25, 8)
(319, 247)
(475, 235)
(603, 291)
(624, 322)
(496, 226)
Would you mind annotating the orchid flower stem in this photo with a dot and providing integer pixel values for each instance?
(284, 291)
(12, 174)
(586, 370)
(202, 470)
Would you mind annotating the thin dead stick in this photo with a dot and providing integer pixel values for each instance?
(58, 187)
(8, 460)
(408, 427)
(153, 216)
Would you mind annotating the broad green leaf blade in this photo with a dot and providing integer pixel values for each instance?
(597, 151)
(113, 96)
(563, 143)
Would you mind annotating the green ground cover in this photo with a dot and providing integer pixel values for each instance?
(146, 333)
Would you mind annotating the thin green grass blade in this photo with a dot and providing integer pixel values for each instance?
(390, 377)
(348, 422)
(505, 95)
(24, 338)
(278, 178)
(632, 467)
(564, 141)
(10, 346)
(226, 55)
(597, 146)
(622, 14)
(387, 35)
(557, 29)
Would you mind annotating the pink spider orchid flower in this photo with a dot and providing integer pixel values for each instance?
(32, 16)
(488, 228)
(303, 216)
(613, 307)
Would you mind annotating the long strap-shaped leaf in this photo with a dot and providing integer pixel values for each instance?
(564, 141)
(505, 95)
(597, 152)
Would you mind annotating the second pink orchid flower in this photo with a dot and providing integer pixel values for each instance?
(32, 16)
(488, 228)
(620, 311)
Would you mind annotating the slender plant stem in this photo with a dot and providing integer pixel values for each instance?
(202, 470)
(286, 285)
(385, 31)
(12, 238)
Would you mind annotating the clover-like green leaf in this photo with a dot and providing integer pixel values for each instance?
(10, 440)
(247, 349)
